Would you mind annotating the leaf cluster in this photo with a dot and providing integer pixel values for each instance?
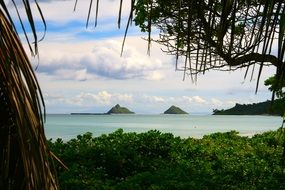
(275, 86)
(217, 34)
(24, 155)
(155, 160)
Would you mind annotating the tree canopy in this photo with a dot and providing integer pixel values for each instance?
(218, 34)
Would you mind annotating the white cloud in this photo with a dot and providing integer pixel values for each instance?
(127, 98)
(102, 97)
(154, 75)
(219, 104)
(187, 99)
(231, 103)
(184, 101)
(148, 99)
(79, 75)
(145, 103)
(198, 99)
(105, 98)
(53, 99)
(193, 99)
(216, 102)
(82, 62)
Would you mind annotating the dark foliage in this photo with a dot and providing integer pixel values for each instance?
(272, 108)
(154, 160)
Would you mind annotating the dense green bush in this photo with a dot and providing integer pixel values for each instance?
(155, 160)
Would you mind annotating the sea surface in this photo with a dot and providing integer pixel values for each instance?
(66, 126)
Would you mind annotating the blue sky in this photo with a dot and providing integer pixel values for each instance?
(81, 70)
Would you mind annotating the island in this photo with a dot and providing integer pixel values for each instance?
(262, 108)
(117, 109)
(174, 110)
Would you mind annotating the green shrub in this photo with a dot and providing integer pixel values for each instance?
(155, 160)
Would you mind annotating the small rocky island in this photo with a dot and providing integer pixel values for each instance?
(175, 110)
(117, 109)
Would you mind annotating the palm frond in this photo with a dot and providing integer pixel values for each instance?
(24, 157)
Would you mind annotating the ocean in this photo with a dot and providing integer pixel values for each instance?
(67, 126)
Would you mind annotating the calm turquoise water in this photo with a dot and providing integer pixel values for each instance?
(69, 126)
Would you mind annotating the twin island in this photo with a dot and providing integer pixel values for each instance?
(276, 107)
(117, 109)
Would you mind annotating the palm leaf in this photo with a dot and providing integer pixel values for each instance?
(25, 157)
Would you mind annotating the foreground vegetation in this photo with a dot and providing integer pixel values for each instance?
(155, 160)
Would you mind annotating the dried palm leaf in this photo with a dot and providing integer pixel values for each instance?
(25, 160)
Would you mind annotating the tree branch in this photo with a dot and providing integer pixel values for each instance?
(255, 57)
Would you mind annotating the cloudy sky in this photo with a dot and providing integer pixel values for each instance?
(80, 69)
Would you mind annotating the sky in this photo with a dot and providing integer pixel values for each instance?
(81, 70)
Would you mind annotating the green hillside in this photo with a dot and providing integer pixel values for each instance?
(117, 109)
(262, 108)
(174, 110)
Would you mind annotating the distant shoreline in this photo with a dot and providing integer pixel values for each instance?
(90, 114)
(266, 108)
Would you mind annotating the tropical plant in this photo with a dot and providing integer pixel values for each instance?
(24, 156)
(278, 89)
(155, 160)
